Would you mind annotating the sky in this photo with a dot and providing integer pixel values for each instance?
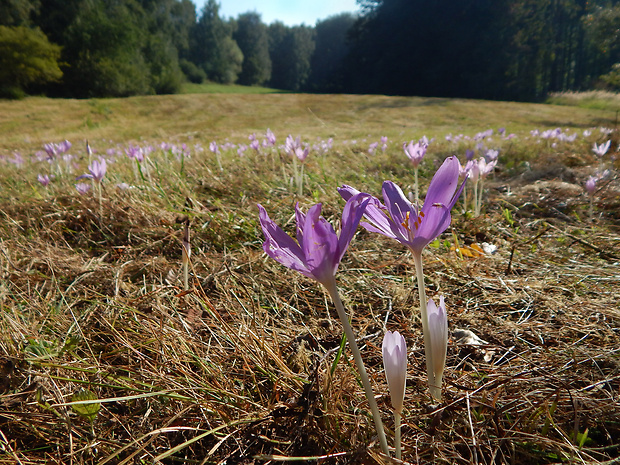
(290, 12)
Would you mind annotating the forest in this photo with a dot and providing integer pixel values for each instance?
(489, 49)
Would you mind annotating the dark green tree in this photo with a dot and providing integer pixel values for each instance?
(104, 50)
(253, 40)
(26, 57)
(331, 48)
(18, 12)
(290, 51)
(213, 48)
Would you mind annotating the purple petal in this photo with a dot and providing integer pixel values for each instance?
(375, 212)
(444, 183)
(402, 213)
(320, 246)
(280, 246)
(351, 216)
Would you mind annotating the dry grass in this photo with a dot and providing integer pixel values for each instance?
(595, 99)
(246, 367)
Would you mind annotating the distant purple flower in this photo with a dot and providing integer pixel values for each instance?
(587, 133)
(213, 147)
(469, 154)
(491, 155)
(82, 187)
(480, 168)
(318, 250)
(43, 179)
(138, 153)
(484, 134)
(53, 149)
(294, 148)
(270, 138)
(98, 169)
(591, 184)
(255, 145)
(372, 148)
(416, 151)
(401, 220)
(601, 149)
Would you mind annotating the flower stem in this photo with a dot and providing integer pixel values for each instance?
(417, 198)
(476, 207)
(344, 319)
(480, 194)
(397, 424)
(435, 390)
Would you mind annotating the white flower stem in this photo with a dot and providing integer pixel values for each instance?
(415, 170)
(296, 173)
(428, 351)
(480, 194)
(397, 425)
(476, 207)
(348, 331)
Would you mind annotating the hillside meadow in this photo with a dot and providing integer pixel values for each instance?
(109, 353)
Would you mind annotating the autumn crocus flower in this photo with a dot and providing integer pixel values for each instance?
(394, 350)
(415, 151)
(317, 254)
(294, 148)
(601, 149)
(416, 228)
(43, 179)
(82, 187)
(405, 222)
(318, 250)
(98, 169)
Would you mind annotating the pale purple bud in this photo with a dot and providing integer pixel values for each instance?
(394, 351)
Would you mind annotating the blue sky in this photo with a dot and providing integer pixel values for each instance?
(290, 12)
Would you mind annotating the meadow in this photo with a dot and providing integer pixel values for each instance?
(107, 355)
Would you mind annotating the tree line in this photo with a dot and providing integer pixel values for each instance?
(493, 49)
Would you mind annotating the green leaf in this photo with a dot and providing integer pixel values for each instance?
(88, 411)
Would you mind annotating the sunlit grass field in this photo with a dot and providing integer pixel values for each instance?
(107, 358)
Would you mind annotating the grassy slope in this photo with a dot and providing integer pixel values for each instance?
(244, 365)
(216, 116)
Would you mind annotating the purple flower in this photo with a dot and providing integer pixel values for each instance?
(469, 154)
(318, 250)
(416, 151)
(97, 169)
(82, 187)
(270, 138)
(372, 148)
(480, 168)
(137, 152)
(394, 350)
(294, 147)
(213, 147)
(401, 220)
(591, 184)
(601, 149)
(43, 179)
(491, 155)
